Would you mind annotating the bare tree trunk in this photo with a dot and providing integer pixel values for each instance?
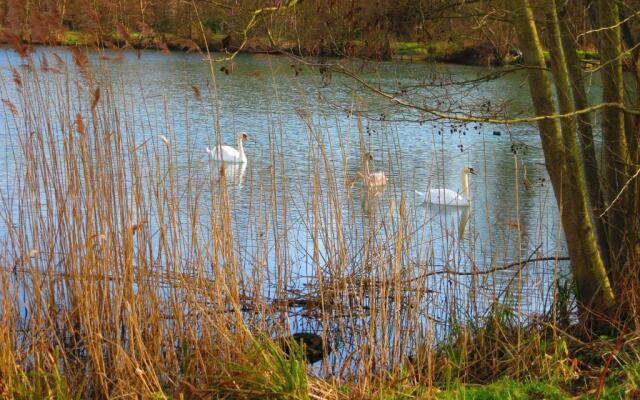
(616, 153)
(593, 288)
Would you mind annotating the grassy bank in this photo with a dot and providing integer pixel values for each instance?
(264, 371)
(216, 42)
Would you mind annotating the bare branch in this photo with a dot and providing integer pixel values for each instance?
(626, 185)
(472, 118)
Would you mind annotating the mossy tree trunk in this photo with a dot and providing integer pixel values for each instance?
(633, 121)
(632, 130)
(585, 130)
(562, 162)
(616, 157)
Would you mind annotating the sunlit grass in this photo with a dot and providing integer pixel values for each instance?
(505, 390)
(410, 48)
(74, 38)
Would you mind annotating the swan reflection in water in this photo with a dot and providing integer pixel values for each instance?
(370, 197)
(231, 173)
(449, 217)
(464, 220)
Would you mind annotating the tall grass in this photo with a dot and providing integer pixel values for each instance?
(123, 274)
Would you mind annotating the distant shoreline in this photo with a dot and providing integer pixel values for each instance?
(479, 54)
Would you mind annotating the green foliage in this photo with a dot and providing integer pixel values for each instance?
(164, 25)
(565, 289)
(213, 24)
(621, 384)
(499, 346)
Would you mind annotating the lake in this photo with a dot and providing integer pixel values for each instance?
(303, 227)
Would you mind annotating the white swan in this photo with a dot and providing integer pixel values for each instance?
(450, 197)
(377, 178)
(228, 153)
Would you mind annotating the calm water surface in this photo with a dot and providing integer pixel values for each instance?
(512, 214)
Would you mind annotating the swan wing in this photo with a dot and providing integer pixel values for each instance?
(377, 179)
(446, 197)
(224, 153)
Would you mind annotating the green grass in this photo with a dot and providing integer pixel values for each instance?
(216, 36)
(74, 38)
(41, 384)
(435, 49)
(583, 55)
(267, 372)
(135, 36)
(588, 55)
(417, 49)
(505, 390)
(410, 48)
(400, 48)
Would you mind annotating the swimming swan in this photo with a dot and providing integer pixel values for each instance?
(377, 178)
(448, 196)
(228, 153)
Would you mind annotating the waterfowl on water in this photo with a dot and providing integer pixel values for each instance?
(229, 154)
(372, 179)
(313, 345)
(450, 197)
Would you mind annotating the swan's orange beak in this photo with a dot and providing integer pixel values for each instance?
(472, 171)
(245, 137)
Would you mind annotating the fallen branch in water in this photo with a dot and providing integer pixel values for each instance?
(492, 270)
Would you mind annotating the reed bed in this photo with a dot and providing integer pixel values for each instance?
(123, 274)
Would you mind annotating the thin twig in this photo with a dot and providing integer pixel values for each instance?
(621, 191)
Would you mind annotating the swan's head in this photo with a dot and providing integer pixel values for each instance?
(243, 136)
(468, 170)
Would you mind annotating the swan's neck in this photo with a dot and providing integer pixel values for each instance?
(465, 185)
(366, 167)
(241, 148)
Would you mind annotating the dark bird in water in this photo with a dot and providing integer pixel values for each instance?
(312, 345)
(226, 42)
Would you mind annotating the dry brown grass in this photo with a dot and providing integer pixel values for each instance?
(122, 277)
